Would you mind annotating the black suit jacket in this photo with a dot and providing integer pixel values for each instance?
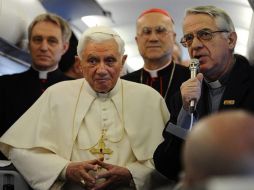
(19, 91)
(239, 91)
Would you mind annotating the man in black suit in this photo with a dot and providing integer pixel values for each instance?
(155, 39)
(225, 80)
(48, 37)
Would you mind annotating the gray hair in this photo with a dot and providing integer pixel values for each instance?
(221, 18)
(49, 17)
(99, 34)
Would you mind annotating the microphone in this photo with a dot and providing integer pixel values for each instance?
(194, 67)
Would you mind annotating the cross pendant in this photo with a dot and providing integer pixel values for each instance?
(102, 149)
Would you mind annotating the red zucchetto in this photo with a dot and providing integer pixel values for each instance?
(156, 10)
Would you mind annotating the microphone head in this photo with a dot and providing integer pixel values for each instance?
(194, 64)
(194, 67)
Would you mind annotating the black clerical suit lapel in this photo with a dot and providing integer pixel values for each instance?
(236, 87)
(203, 106)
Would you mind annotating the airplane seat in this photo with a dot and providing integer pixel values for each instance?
(10, 178)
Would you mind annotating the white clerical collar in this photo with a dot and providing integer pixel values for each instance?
(222, 81)
(104, 95)
(44, 74)
(154, 73)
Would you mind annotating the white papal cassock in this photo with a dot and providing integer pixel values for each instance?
(67, 121)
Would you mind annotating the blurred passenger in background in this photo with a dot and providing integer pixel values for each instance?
(221, 145)
(67, 64)
(178, 54)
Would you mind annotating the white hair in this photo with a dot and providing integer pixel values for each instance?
(221, 18)
(99, 34)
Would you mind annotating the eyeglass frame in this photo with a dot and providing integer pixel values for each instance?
(198, 35)
(157, 30)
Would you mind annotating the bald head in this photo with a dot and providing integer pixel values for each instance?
(221, 144)
(155, 37)
(156, 10)
(157, 16)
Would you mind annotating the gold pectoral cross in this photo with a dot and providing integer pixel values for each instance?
(102, 149)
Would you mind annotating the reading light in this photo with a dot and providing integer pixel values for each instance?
(97, 20)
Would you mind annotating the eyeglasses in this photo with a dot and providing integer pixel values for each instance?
(160, 31)
(204, 34)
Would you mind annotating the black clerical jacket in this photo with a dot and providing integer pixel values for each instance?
(180, 75)
(19, 91)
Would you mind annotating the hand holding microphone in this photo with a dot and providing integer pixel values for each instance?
(191, 89)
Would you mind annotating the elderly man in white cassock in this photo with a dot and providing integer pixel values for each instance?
(99, 132)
